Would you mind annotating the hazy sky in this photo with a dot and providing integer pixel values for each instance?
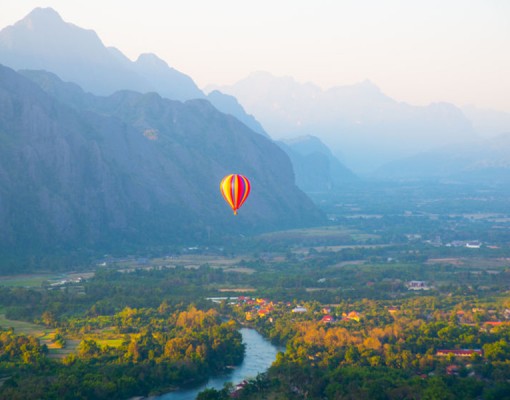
(417, 51)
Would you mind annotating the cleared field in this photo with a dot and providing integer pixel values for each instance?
(26, 328)
(109, 342)
(348, 263)
(189, 261)
(204, 259)
(339, 248)
(317, 232)
(25, 280)
(450, 261)
(319, 236)
(37, 280)
(236, 290)
(243, 270)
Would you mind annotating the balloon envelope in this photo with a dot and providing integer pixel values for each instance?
(235, 189)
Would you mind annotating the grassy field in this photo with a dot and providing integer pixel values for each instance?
(26, 328)
(319, 236)
(317, 232)
(34, 280)
(37, 280)
(109, 342)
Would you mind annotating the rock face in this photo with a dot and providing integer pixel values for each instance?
(80, 171)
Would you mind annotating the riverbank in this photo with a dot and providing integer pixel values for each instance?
(260, 354)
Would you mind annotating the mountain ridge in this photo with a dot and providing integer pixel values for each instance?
(315, 167)
(485, 160)
(358, 121)
(42, 40)
(130, 170)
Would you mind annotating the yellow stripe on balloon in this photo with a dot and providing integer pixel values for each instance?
(226, 190)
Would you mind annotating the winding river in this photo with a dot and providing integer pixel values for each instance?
(259, 356)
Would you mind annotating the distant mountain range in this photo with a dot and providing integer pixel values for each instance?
(487, 123)
(480, 161)
(101, 161)
(43, 41)
(130, 169)
(378, 136)
(359, 123)
(316, 168)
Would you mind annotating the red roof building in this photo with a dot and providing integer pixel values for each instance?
(328, 319)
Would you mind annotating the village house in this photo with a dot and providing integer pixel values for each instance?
(327, 319)
(489, 326)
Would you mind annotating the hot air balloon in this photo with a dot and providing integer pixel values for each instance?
(235, 190)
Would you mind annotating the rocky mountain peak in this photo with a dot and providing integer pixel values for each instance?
(41, 17)
(150, 60)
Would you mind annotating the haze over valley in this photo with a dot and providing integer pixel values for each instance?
(131, 154)
(315, 195)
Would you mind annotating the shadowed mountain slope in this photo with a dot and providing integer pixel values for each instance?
(130, 169)
(316, 168)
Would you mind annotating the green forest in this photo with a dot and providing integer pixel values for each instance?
(351, 330)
